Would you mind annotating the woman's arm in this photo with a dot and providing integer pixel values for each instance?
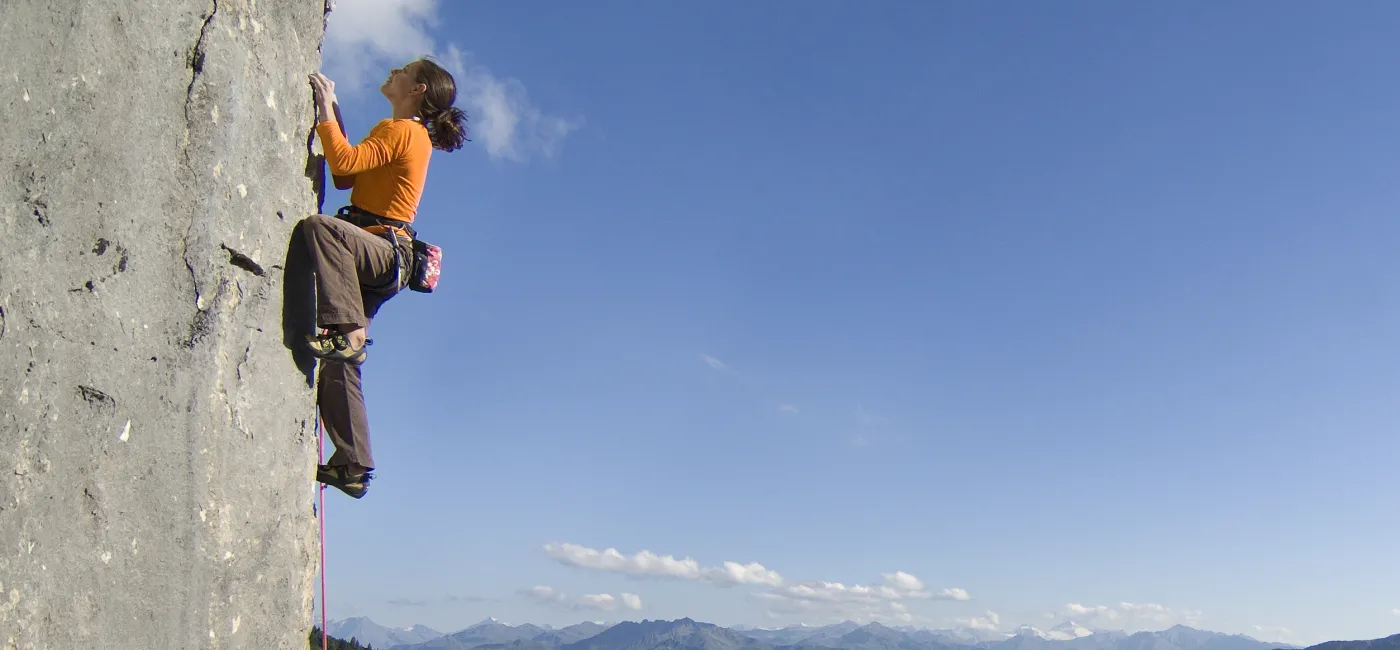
(341, 182)
(377, 150)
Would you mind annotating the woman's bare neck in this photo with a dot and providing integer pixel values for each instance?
(405, 110)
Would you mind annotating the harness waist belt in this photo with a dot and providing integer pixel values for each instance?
(363, 218)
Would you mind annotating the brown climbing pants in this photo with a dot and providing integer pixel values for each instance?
(352, 269)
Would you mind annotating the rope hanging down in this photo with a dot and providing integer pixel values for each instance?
(321, 518)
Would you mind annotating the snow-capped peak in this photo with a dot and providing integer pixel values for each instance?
(1029, 630)
(1074, 629)
(1069, 630)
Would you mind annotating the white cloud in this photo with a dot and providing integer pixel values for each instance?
(989, 623)
(809, 600)
(753, 573)
(500, 112)
(837, 601)
(1395, 612)
(788, 408)
(713, 362)
(365, 38)
(1075, 609)
(1131, 616)
(953, 593)
(543, 594)
(603, 602)
(897, 586)
(595, 602)
(1274, 634)
(647, 564)
(363, 33)
(904, 582)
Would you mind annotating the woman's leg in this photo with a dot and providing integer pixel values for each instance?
(342, 402)
(345, 259)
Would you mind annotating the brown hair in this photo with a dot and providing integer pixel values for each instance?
(447, 124)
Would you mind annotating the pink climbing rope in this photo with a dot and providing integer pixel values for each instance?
(321, 517)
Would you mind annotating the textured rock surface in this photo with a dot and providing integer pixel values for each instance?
(156, 435)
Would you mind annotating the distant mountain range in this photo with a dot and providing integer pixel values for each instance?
(1388, 643)
(492, 634)
(367, 632)
(686, 634)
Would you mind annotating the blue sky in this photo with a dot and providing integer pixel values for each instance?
(1085, 311)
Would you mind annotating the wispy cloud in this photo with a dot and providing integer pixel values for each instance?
(1395, 612)
(508, 123)
(866, 419)
(544, 595)
(407, 602)
(364, 38)
(595, 602)
(713, 362)
(779, 606)
(1131, 616)
(870, 428)
(1275, 634)
(991, 622)
(648, 564)
(470, 599)
(788, 408)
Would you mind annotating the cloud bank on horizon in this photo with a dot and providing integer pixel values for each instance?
(808, 599)
(888, 601)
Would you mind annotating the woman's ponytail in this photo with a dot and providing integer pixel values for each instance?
(447, 128)
(447, 124)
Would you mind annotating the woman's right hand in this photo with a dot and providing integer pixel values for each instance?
(324, 91)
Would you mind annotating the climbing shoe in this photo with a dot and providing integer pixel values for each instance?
(354, 485)
(336, 347)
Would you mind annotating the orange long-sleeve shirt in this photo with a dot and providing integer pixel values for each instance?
(390, 165)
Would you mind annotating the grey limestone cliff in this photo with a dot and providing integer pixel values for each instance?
(156, 435)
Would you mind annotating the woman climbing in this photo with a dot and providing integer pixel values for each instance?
(362, 256)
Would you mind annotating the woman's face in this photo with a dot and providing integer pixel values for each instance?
(400, 84)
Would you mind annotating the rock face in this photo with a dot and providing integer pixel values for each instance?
(157, 444)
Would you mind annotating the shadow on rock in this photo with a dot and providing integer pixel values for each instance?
(299, 303)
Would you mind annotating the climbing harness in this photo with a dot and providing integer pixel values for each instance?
(425, 263)
(364, 219)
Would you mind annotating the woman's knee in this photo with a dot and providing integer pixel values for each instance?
(319, 221)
